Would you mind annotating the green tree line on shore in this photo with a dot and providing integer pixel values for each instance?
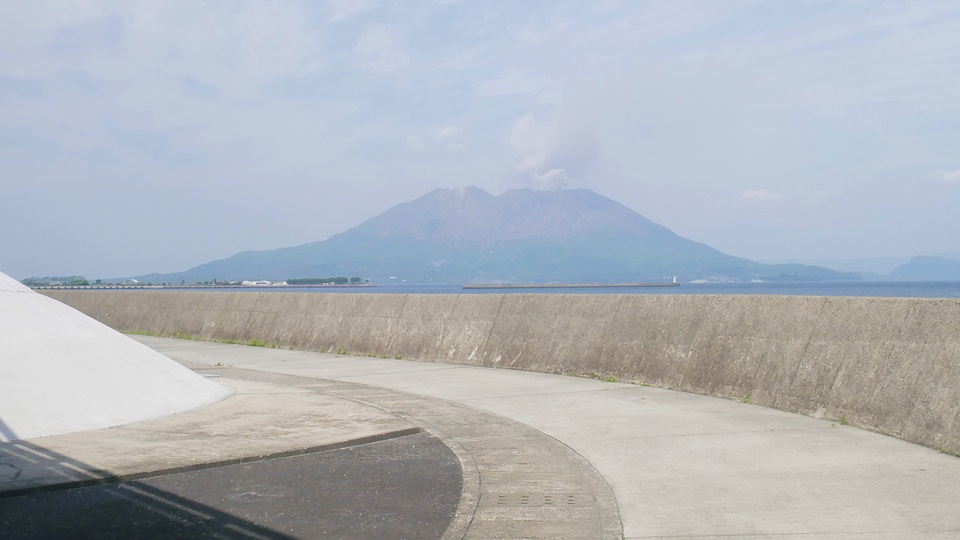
(65, 281)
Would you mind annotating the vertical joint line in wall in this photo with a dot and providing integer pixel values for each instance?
(840, 363)
(256, 302)
(885, 356)
(494, 323)
(606, 330)
(443, 327)
(695, 340)
(394, 346)
(806, 343)
(252, 313)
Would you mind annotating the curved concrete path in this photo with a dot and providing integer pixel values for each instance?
(511, 481)
(680, 465)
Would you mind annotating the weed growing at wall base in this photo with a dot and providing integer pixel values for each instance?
(177, 334)
(596, 376)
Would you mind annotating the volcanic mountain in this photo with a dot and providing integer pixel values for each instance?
(469, 235)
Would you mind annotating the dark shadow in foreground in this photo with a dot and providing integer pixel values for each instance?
(406, 487)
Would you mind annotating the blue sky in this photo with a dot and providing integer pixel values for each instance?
(154, 136)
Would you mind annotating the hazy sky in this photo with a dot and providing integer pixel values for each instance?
(154, 136)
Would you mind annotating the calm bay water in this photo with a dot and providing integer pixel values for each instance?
(893, 289)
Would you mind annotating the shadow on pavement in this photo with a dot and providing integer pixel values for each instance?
(406, 487)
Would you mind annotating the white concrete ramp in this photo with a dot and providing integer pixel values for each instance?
(61, 371)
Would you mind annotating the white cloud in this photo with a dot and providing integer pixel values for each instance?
(30, 33)
(510, 82)
(552, 179)
(380, 51)
(437, 138)
(274, 43)
(948, 177)
(758, 195)
(341, 10)
(530, 141)
(448, 132)
(369, 132)
(415, 143)
(131, 42)
(555, 150)
(159, 70)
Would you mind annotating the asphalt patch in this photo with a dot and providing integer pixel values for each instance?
(407, 487)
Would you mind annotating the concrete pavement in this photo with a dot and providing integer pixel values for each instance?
(679, 465)
(514, 481)
(541, 455)
(259, 421)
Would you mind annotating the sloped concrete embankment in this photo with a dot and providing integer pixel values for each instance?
(64, 372)
(887, 364)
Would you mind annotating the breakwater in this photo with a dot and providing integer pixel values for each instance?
(565, 285)
(891, 365)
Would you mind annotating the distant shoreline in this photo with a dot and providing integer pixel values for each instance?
(948, 290)
(115, 287)
(564, 285)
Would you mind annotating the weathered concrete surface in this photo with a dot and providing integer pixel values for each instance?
(260, 419)
(516, 481)
(61, 371)
(886, 364)
(681, 466)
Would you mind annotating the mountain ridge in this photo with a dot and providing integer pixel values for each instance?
(468, 235)
(928, 268)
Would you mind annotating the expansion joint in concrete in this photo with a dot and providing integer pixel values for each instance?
(493, 323)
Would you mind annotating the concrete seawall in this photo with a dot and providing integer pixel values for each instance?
(886, 364)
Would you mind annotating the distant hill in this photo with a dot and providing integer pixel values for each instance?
(928, 268)
(882, 268)
(949, 256)
(879, 266)
(469, 235)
